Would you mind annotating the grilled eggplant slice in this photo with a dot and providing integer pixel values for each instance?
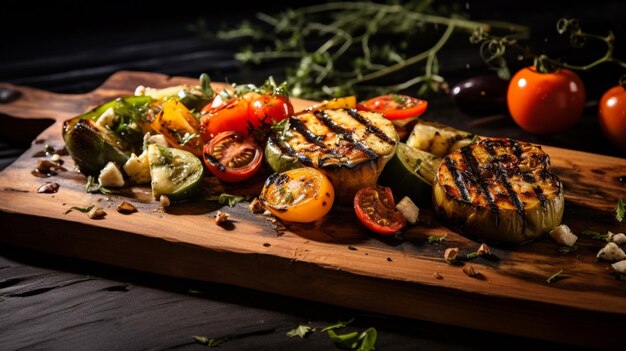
(499, 190)
(438, 139)
(351, 147)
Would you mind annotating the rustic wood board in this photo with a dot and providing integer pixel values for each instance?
(334, 261)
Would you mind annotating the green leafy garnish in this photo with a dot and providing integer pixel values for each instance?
(205, 85)
(364, 341)
(301, 331)
(472, 255)
(185, 139)
(81, 209)
(210, 342)
(228, 199)
(567, 249)
(340, 324)
(554, 276)
(434, 239)
(94, 187)
(107, 191)
(165, 154)
(398, 99)
(596, 235)
(620, 209)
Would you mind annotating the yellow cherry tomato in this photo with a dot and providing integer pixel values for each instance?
(298, 195)
(179, 126)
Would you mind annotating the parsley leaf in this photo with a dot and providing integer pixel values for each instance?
(210, 342)
(567, 249)
(364, 341)
(301, 331)
(228, 199)
(338, 325)
(620, 210)
(554, 277)
(398, 99)
(81, 209)
(596, 235)
(433, 239)
(186, 138)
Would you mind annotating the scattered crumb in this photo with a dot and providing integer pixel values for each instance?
(620, 267)
(469, 270)
(436, 275)
(451, 253)
(48, 188)
(563, 235)
(611, 252)
(164, 200)
(483, 250)
(619, 239)
(350, 247)
(126, 208)
(221, 217)
(267, 244)
(256, 206)
(267, 213)
(389, 259)
(55, 158)
(96, 213)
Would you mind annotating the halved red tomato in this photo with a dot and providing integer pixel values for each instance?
(231, 157)
(395, 106)
(375, 208)
(229, 116)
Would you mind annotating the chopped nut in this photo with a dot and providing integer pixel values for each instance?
(620, 266)
(48, 188)
(469, 270)
(450, 254)
(436, 275)
(164, 200)
(126, 208)
(563, 235)
(96, 213)
(221, 217)
(256, 206)
(611, 252)
(619, 239)
(55, 158)
(267, 213)
(483, 250)
(408, 209)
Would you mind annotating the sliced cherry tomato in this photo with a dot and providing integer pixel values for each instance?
(612, 115)
(545, 103)
(298, 195)
(395, 106)
(232, 116)
(179, 126)
(231, 157)
(375, 208)
(267, 109)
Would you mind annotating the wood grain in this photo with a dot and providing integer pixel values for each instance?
(335, 260)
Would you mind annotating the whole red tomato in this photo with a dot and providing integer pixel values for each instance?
(612, 113)
(269, 108)
(544, 103)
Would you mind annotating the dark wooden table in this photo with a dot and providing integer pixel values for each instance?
(49, 302)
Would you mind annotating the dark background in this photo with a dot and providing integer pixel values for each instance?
(48, 302)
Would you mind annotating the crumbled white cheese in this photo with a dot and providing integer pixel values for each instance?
(137, 168)
(451, 253)
(563, 235)
(55, 158)
(140, 90)
(111, 176)
(620, 266)
(611, 252)
(158, 140)
(107, 117)
(619, 239)
(408, 209)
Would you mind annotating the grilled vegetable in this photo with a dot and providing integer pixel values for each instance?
(375, 208)
(499, 190)
(110, 132)
(179, 127)
(351, 147)
(175, 173)
(299, 195)
(411, 172)
(438, 139)
(231, 157)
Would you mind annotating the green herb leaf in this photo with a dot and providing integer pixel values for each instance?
(205, 85)
(567, 249)
(209, 341)
(398, 99)
(472, 255)
(165, 154)
(185, 139)
(81, 209)
(364, 341)
(301, 331)
(620, 209)
(596, 235)
(107, 191)
(554, 277)
(228, 199)
(340, 324)
(434, 239)
(89, 185)
(368, 340)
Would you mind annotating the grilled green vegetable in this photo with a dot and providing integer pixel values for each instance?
(110, 132)
(351, 147)
(499, 190)
(438, 139)
(411, 172)
(175, 173)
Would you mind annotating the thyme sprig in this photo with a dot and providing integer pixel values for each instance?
(363, 47)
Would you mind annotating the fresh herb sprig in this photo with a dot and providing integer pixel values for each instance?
(336, 52)
(620, 209)
(228, 199)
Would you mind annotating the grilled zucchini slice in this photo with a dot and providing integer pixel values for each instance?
(499, 190)
(438, 139)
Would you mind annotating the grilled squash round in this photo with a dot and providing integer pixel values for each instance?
(499, 190)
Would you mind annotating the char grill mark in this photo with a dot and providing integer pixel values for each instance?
(503, 177)
(469, 158)
(458, 179)
(301, 128)
(325, 118)
(539, 193)
(285, 148)
(371, 128)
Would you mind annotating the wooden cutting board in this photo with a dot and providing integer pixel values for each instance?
(334, 261)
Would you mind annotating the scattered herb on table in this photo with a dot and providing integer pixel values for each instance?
(93, 186)
(210, 342)
(302, 330)
(363, 341)
(596, 235)
(228, 199)
(81, 209)
(567, 249)
(620, 209)
(434, 239)
(340, 324)
(554, 277)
